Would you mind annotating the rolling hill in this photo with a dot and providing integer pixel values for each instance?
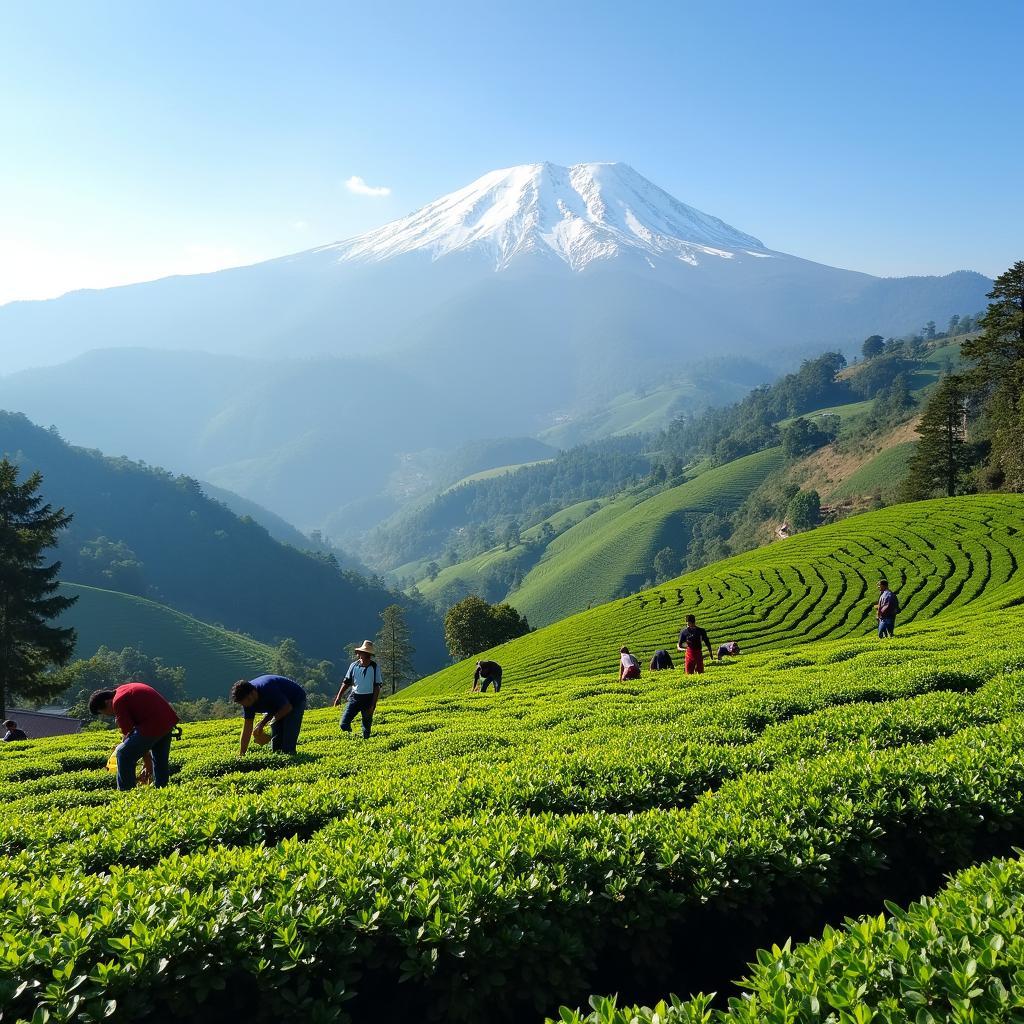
(940, 556)
(213, 658)
(611, 552)
(193, 554)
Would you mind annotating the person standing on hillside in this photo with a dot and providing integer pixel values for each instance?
(886, 610)
(283, 703)
(629, 667)
(13, 733)
(487, 672)
(146, 722)
(690, 640)
(363, 680)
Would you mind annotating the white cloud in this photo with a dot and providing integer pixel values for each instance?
(360, 188)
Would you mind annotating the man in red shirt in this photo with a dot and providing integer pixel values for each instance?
(146, 722)
(690, 640)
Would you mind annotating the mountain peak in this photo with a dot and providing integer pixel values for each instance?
(577, 214)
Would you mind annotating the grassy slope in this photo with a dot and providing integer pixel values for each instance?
(612, 551)
(940, 555)
(487, 474)
(881, 475)
(472, 571)
(213, 658)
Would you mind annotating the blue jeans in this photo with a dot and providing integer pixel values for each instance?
(886, 627)
(129, 752)
(285, 734)
(487, 680)
(359, 704)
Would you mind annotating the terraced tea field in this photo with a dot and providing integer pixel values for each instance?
(497, 856)
(213, 658)
(942, 555)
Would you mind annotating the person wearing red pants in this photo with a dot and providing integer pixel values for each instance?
(690, 640)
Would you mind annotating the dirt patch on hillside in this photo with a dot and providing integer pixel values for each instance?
(827, 469)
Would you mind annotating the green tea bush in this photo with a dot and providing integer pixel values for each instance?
(955, 958)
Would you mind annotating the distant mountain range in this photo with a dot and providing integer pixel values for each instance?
(526, 298)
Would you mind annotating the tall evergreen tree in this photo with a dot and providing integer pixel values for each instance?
(28, 591)
(394, 648)
(941, 459)
(998, 373)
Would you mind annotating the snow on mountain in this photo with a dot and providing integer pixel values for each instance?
(576, 214)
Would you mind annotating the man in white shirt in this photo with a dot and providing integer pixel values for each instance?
(362, 684)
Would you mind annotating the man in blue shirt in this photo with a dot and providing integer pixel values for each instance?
(886, 610)
(282, 702)
(363, 680)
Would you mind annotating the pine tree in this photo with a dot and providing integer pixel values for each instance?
(28, 590)
(941, 459)
(394, 648)
(998, 373)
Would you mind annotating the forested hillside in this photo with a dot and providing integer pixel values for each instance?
(141, 530)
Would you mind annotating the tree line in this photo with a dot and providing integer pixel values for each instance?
(972, 425)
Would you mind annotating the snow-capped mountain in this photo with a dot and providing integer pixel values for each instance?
(576, 214)
(532, 295)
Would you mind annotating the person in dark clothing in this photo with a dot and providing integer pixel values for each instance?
(885, 610)
(731, 648)
(487, 672)
(363, 679)
(662, 660)
(282, 701)
(13, 732)
(690, 640)
(147, 723)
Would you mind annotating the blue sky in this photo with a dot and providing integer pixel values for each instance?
(141, 139)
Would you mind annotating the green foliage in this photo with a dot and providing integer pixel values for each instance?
(29, 645)
(804, 510)
(666, 564)
(873, 346)
(801, 436)
(751, 424)
(882, 476)
(394, 648)
(473, 625)
(956, 957)
(997, 379)
(108, 669)
(941, 460)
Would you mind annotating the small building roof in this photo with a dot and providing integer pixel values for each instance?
(40, 724)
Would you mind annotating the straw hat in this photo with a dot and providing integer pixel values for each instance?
(366, 648)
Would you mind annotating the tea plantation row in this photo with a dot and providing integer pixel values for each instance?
(956, 957)
(493, 856)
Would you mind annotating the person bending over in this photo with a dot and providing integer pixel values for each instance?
(487, 672)
(146, 722)
(283, 703)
